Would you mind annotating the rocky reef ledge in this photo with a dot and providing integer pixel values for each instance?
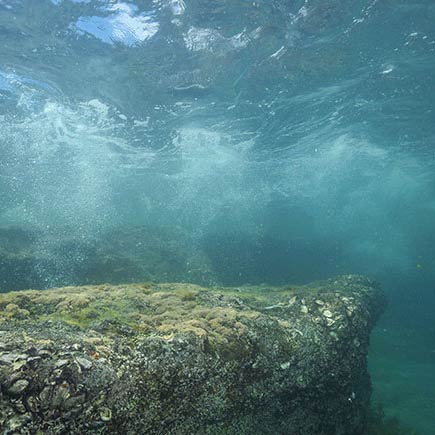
(182, 359)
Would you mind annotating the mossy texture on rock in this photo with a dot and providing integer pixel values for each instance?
(182, 359)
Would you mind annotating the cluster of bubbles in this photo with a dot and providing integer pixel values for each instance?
(275, 148)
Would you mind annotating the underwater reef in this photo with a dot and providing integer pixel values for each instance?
(183, 359)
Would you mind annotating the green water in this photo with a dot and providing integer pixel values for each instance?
(228, 142)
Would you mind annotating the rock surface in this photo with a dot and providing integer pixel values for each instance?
(181, 359)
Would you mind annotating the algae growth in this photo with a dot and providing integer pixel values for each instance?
(182, 359)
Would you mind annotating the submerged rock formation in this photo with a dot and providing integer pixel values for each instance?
(181, 359)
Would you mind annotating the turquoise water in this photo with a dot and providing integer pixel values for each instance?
(228, 142)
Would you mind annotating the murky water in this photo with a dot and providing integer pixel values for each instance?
(227, 142)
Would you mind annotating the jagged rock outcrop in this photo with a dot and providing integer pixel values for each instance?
(181, 359)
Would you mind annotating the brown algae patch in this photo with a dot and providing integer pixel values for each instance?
(216, 315)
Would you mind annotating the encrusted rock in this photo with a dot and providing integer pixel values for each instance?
(84, 363)
(18, 387)
(327, 313)
(105, 414)
(178, 359)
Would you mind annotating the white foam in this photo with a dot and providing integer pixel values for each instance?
(125, 26)
(203, 39)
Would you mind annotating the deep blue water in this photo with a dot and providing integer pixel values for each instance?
(239, 142)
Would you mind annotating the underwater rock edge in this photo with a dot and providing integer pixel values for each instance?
(182, 359)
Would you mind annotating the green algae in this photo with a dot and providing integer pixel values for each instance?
(160, 309)
(163, 310)
(154, 354)
(220, 317)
